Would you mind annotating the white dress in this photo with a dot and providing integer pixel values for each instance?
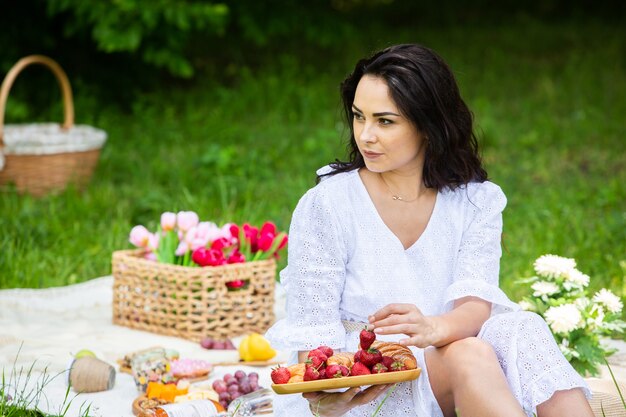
(344, 263)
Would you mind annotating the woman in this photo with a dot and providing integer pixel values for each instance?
(405, 236)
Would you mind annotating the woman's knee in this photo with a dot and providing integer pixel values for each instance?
(467, 355)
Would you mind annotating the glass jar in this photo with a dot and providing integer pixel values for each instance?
(150, 366)
(256, 403)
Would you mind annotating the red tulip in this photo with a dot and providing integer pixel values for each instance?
(236, 284)
(268, 227)
(265, 241)
(220, 243)
(201, 256)
(283, 243)
(208, 257)
(234, 231)
(236, 257)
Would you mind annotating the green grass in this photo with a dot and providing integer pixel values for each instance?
(549, 103)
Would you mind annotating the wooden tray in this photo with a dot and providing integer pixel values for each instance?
(347, 382)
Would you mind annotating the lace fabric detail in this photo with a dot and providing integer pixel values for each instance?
(530, 358)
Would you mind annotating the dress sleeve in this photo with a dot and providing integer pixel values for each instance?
(477, 268)
(313, 279)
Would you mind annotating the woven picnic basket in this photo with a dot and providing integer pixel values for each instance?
(192, 302)
(43, 157)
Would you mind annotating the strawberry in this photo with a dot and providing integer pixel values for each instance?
(322, 373)
(366, 337)
(318, 353)
(397, 366)
(311, 374)
(359, 369)
(316, 358)
(336, 371)
(371, 357)
(357, 355)
(315, 362)
(326, 351)
(280, 375)
(387, 361)
(379, 368)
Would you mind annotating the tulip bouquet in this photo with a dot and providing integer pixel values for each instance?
(578, 321)
(182, 239)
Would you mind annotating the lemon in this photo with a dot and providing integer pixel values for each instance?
(255, 347)
(244, 350)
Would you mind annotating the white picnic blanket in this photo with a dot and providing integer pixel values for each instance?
(40, 329)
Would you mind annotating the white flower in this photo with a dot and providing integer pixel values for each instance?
(582, 303)
(553, 266)
(564, 318)
(544, 288)
(609, 300)
(576, 277)
(526, 306)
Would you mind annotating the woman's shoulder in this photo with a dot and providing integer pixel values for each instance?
(481, 195)
(334, 182)
(330, 189)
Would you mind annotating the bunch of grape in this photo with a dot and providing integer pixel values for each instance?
(234, 386)
(210, 343)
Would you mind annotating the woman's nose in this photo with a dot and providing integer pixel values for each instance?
(367, 134)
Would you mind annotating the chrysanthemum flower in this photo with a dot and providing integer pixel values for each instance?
(544, 288)
(553, 266)
(609, 300)
(564, 318)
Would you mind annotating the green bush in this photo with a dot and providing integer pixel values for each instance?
(159, 31)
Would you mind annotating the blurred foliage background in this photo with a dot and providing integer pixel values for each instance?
(227, 108)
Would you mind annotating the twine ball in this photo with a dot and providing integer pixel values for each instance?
(89, 374)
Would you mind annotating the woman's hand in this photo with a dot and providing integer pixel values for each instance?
(330, 404)
(407, 319)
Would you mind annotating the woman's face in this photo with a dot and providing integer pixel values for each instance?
(386, 139)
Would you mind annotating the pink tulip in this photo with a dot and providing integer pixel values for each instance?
(265, 241)
(153, 242)
(139, 236)
(182, 248)
(186, 220)
(198, 236)
(168, 221)
(151, 256)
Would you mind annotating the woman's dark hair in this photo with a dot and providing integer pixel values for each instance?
(425, 91)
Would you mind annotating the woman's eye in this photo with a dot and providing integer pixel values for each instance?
(358, 116)
(385, 121)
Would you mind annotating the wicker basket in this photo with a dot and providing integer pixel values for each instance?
(43, 157)
(189, 302)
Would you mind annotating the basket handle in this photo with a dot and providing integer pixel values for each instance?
(66, 89)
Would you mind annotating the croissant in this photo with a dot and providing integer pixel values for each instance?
(341, 358)
(297, 372)
(397, 352)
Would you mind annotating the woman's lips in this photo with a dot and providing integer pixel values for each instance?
(371, 155)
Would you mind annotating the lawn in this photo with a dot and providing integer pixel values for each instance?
(549, 106)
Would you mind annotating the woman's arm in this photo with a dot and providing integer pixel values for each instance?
(465, 320)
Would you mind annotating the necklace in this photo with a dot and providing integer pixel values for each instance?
(396, 197)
